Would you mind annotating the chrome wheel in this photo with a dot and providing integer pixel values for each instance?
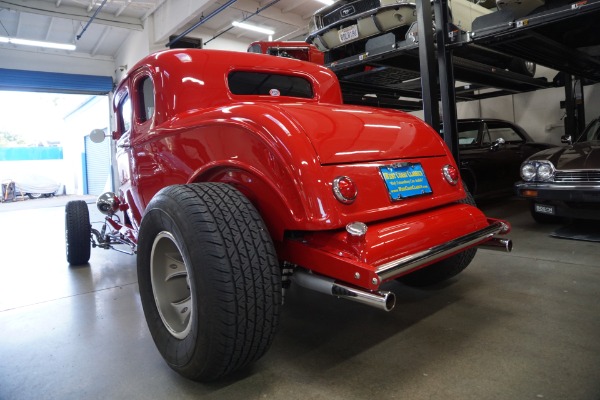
(171, 285)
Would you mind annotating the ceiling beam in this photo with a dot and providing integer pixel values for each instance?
(122, 8)
(67, 12)
(18, 31)
(272, 12)
(99, 41)
(291, 7)
(49, 29)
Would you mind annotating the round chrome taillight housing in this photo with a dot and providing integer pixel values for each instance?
(450, 174)
(108, 203)
(344, 189)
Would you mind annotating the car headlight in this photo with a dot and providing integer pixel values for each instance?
(528, 171)
(545, 171)
(537, 171)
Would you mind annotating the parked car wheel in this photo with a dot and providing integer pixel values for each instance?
(521, 66)
(209, 279)
(77, 232)
(445, 269)
(543, 218)
(34, 195)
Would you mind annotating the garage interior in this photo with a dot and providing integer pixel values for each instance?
(512, 325)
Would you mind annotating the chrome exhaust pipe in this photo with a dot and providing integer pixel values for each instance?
(497, 244)
(382, 300)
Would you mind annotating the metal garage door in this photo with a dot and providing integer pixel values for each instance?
(37, 81)
(97, 166)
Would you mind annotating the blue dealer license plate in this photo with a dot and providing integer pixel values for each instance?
(405, 180)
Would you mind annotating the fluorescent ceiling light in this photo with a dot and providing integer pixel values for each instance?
(37, 43)
(326, 2)
(253, 28)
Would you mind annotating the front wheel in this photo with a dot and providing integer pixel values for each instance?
(444, 269)
(209, 279)
(78, 231)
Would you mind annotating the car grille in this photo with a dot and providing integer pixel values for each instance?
(577, 176)
(349, 9)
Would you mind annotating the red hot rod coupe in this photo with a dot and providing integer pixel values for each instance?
(242, 173)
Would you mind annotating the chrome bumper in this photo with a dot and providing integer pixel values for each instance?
(396, 267)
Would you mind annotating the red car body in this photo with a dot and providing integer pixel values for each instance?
(242, 173)
(284, 153)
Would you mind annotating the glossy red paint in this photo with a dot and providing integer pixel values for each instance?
(356, 261)
(283, 153)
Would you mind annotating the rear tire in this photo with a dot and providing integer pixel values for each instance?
(444, 269)
(77, 232)
(209, 279)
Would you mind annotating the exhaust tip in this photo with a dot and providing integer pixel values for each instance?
(497, 244)
(390, 301)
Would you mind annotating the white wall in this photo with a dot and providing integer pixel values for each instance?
(538, 112)
(48, 61)
(141, 43)
(94, 115)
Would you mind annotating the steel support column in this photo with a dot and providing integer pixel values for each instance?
(446, 77)
(427, 64)
(570, 122)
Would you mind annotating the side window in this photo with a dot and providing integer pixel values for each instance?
(125, 114)
(506, 133)
(468, 133)
(468, 137)
(146, 99)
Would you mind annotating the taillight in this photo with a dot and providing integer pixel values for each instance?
(450, 174)
(344, 189)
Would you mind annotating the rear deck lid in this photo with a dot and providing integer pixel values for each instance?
(346, 134)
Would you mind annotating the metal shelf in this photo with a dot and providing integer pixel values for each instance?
(565, 38)
(401, 73)
(395, 72)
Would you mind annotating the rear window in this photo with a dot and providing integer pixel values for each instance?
(267, 84)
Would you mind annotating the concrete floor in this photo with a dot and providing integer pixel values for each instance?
(524, 325)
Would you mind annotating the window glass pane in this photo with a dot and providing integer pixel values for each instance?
(468, 137)
(261, 83)
(126, 114)
(468, 133)
(506, 133)
(146, 100)
(592, 132)
(255, 48)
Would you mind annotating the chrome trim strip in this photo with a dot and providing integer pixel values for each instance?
(557, 186)
(392, 268)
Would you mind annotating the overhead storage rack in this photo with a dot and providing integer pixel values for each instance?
(398, 74)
